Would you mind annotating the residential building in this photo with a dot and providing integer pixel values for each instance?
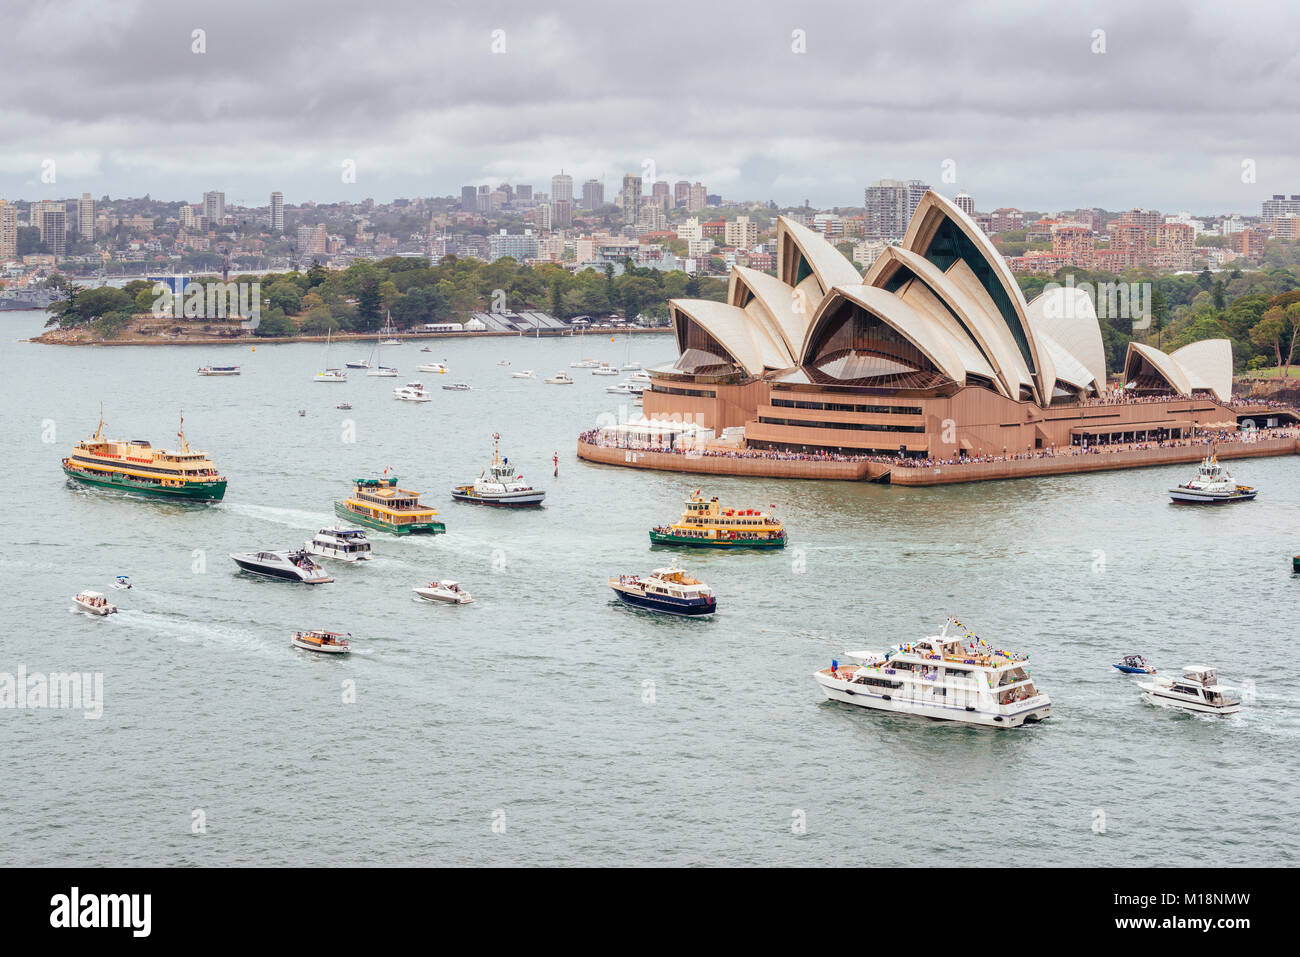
(8, 230)
(214, 207)
(593, 194)
(86, 217)
(698, 198)
(277, 212)
(1280, 206)
(630, 197)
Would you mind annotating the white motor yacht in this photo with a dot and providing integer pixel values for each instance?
(94, 602)
(412, 392)
(952, 677)
(1198, 690)
(523, 374)
(1213, 485)
(435, 367)
(219, 370)
(445, 591)
(560, 378)
(344, 544)
(621, 388)
(457, 387)
(604, 369)
(294, 566)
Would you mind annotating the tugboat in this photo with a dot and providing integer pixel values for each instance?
(448, 591)
(1197, 690)
(326, 642)
(344, 544)
(952, 677)
(378, 503)
(1135, 665)
(498, 485)
(1213, 485)
(668, 590)
(706, 524)
(94, 602)
(136, 466)
(292, 566)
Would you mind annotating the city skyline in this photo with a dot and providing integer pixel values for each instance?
(1016, 107)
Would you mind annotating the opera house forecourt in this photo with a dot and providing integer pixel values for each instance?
(931, 368)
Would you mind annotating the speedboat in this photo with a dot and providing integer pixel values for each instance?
(293, 566)
(1135, 665)
(122, 583)
(604, 369)
(345, 544)
(499, 485)
(437, 367)
(219, 370)
(1197, 690)
(412, 392)
(447, 591)
(302, 411)
(326, 642)
(560, 378)
(524, 374)
(1213, 485)
(94, 602)
(503, 362)
(344, 405)
(457, 387)
(952, 677)
(668, 590)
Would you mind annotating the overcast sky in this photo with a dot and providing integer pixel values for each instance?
(411, 91)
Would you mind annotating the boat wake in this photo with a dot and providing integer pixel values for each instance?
(187, 630)
(292, 517)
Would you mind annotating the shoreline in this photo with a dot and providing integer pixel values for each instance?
(243, 340)
(864, 470)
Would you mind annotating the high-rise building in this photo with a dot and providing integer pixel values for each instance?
(562, 212)
(886, 203)
(561, 187)
(740, 233)
(524, 192)
(915, 190)
(52, 221)
(277, 212)
(659, 192)
(214, 207)
(630, 197)
(1280, 206)
(189, 219)
(965, 203)
(468, 199)
(8, 230)
(681, 193)
(593, 194)
(698, 198)
(86, 217)
(312, 241)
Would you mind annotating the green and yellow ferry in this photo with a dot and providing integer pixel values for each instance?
(706, 524)
(379, 503)
(136, 466)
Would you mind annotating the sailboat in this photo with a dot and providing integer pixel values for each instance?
(389, 331)
(630, 364)
(329, 374)
(583, 363)
(379, 369)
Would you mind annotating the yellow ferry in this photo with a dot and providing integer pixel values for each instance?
(136, 466)
(706, 524)
(379, 503)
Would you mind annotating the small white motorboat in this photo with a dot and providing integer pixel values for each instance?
(219, 370)
(1198, 690)
(560, 378)
(504, 362)
(344, 544)
(604, 369)
(344, 405)
(622, 388)
(447, 591)
(94, 602)
(435, 367)
(412, 392)
(457, 387)
(122, 582)
(326, 642)
(523, 374)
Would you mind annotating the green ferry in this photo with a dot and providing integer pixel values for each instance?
(136, 466)
(706, 524)
(378, 503)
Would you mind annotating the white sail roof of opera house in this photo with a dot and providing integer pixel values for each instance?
(946, 291)
(1204, 366)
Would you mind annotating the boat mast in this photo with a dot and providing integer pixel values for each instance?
(99, 429)
(185, 446)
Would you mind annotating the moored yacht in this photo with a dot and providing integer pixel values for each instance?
(457, 387)
(499, 485)
(330, 373)
(94, 602)
(293, 566)
(1213, 485)
(668, 590)
(950, 677)
(219, 370)
(604, 369)
(523, 374)
(326, 642)
(560, 378)
(435, 367)
(412, 392)
(1198, 690)
(448, 592)
(344, 544)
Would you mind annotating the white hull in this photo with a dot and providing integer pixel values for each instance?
(900, 702)
(101, 610)
(442, 597)
(1194, 497)
(324, 551)
(210, 372)
(322, 649)
(383, 373)
(1160, 697)
(432, 367)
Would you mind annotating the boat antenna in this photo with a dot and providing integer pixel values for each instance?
(496, 439)
(99, 429)
(185, 446)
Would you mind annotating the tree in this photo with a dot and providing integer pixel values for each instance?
(284, 295)
(369, 302)
(1267, 333)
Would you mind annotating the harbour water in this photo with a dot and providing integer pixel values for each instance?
(547, 724)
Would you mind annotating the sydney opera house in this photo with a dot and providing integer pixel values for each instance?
(934, 353)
